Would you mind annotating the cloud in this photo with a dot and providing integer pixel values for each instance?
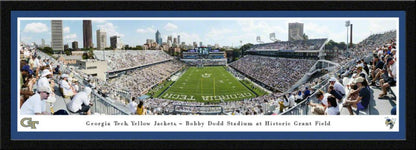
(36, 27)
(380, 26)
(71, 36)
(170, 27)
(26, 39)
(215, 32)
(66, 30)
(110, 29)
(314, 30)
(216, 35)
(146, 30)
(250, 29)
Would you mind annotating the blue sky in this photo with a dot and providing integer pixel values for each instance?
(225, 32)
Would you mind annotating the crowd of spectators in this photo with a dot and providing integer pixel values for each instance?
(207, 62)
(40, 78)
(313, 44)
(123, 59)
(251, 106)
(354, 89)
(368, 45)
(139, 81)
(279, 73)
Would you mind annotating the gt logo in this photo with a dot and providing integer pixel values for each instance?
(27, 122)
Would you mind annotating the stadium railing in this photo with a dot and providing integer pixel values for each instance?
(104, 106)
(202, 110)
(302, 108)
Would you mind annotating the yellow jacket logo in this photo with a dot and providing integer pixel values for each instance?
(27, 122)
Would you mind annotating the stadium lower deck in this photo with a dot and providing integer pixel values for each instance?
(377, 106)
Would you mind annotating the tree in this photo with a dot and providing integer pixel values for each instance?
(68, 52)
(245, 47)
(84, 56)
(305, 37)
(90, 54)
(237, 53)
(176, 53)
(332, 44)
(48, 50)
(342, 45)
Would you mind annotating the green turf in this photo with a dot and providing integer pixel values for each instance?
(160, 89)
(208, 84)
(257, 90)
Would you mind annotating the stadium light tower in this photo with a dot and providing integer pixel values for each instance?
(347, 24)
(259, 40)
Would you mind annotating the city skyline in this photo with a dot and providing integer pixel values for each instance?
(210, 32)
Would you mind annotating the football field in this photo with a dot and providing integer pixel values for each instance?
(207, 84)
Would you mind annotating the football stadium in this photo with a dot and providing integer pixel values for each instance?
(296, 77)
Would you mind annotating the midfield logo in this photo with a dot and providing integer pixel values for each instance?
(206, 75)
(27, 122)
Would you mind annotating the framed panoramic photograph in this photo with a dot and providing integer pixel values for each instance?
(208, 75)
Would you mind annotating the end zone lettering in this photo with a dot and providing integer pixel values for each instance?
(179, 96)
(226, 97)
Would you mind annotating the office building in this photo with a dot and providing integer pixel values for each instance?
(75, 45)
(295, 31)
(101, 40)
(115, 42)
(87, 33)
(57, 36)
(43, 43)
(158, 38)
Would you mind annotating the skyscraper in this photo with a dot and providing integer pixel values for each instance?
(75, 45)
(158, 38)
(295, 31)
(179, 39)
(57, 36)
(43, 43)
(101, 39)
(87, 33)
(200, 44)
(169, 40)
(115, 42)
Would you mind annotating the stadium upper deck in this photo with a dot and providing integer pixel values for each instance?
(312, 44)
(125, 59)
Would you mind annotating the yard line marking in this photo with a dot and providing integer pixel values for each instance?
(214, 86)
